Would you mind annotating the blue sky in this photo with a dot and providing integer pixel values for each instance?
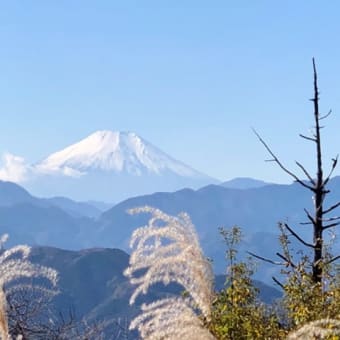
(191, 77)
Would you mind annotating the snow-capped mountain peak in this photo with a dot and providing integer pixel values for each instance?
(114, 151)
(106, 166)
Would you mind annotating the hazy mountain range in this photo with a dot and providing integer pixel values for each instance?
(91, 282)
(244, 183)
(72, 225)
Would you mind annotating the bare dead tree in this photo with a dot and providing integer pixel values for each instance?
(32, 316)
(27, 308)
(318, 219)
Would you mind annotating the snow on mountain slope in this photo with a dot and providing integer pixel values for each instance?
(105, 166)
(119, 152)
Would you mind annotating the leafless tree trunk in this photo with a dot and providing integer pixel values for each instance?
(317, 219)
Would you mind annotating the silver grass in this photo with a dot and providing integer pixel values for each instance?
(3, 316)
(320, 329)
(168, 250)
(14, 265)
(171, 318)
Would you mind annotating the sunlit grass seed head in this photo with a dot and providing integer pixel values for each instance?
(168, 250)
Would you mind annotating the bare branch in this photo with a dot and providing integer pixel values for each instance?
(331, 219)
(305, 172)
(289, 261)
(326, 115)
(316, 91)
(310, 217)
(336, 218)
(308, 138)
(278, 282)
(278, 162)
(330, 225)
(266, 260)
(335, 162)
(298, 237)
(331, 208)
(333, 259)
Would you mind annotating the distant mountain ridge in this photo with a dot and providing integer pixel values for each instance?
(13, 194)
(257, 211)
(92, 283)
(244, 183)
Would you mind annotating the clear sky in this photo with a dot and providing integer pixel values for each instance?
(191, 77)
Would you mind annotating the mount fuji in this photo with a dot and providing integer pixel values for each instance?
(109, 166)
(120, 152)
